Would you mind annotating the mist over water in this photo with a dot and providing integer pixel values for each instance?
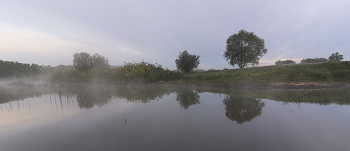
(43, 116)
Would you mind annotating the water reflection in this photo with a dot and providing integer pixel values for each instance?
(187, 98)
(14, 93)
(242, 109)
(142, 93)
(88, 98)
(55, 121)
(89, 95)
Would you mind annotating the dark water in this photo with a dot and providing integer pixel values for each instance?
(164, 117)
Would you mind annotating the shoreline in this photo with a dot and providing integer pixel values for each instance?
(280, 85)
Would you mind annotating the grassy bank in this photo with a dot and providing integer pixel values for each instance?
(324, 72)
(146, 72)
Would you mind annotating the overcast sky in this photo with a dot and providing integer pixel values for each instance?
(49, 32)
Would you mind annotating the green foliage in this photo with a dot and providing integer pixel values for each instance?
(314, 60)
(199, 70)
(99, 61)
(143, 71)
(187, 62)
(101, 74)
(16, 69)
(84, 62)
(244, 48)
(331, 71)
(69, 75)
(284, 62)
(335, 57)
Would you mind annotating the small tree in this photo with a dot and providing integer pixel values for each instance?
(187, 62)
(244, 48)
(335, 57)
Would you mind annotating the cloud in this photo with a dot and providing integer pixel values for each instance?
(155, 31)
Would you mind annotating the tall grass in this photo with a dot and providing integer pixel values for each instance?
(142, 72)
(330, 71)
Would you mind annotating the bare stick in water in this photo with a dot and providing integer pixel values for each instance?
(28, 107)
(7, 109)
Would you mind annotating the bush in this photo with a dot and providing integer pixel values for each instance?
(69, 75)
(314, 60)
(284, 62)
(142, 72)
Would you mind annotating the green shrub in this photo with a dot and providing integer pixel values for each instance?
(70, 75)
(314, 60)
(284, 62)
(143, 72)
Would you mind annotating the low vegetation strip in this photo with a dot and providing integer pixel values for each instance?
(87, 68)
(324, 72)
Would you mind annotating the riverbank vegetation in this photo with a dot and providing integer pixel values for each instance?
(9, 69)
(147, 72)
(96, 69)
(129, 72)
(323, 72)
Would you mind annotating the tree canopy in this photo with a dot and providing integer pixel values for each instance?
(335, 57)
(10, 68)
(244, 48)
(84, 62)
(187, 62)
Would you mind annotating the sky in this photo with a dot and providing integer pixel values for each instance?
(156, 31)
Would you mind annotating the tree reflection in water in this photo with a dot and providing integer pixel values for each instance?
(142, 93)
(242, 109)
(187, 98)
(88, 98)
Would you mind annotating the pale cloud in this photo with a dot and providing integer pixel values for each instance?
(21, 40)
(50, 32)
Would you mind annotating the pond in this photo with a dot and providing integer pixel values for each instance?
(88, 117)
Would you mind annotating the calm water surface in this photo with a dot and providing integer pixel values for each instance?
(164, 117)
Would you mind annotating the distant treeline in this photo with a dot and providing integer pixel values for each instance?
(19, 70)
(10, 69)
(335, 57)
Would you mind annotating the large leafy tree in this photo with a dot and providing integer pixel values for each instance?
(335, 57)
(84, 62)
(244, 48)
(187, 62)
